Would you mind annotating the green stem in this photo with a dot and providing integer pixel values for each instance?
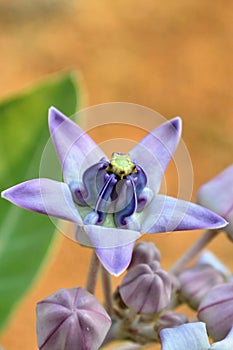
(92, 273)
(107, 290)
(205, 239)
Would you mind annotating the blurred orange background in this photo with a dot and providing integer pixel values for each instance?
(172, 56)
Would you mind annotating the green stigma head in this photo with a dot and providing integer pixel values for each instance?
(121, 165)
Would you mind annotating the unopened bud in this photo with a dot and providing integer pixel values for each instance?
(145, 253)
(71, 319)
(216, 310)
(170, 319)
(146, 288)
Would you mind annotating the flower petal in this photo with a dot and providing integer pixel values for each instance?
(46, 197)
(191, 336)
(166, 214)
(159, 146)
(217, 194)
(76, 150)
(225, 344)
(115, 260)
(113, 246)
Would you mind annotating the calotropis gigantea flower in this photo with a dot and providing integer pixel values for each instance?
(217, 195)
(71, 319)
(192, 336)
(112, 201)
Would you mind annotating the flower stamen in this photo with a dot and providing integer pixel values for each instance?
(121, 165)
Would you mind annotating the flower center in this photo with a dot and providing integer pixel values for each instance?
(121, 165)
(116, 187)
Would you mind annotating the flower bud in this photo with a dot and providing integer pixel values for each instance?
(170, 320)
(197, 281)
(145, 253)
(146, 288)
(71, 319)
(216, 310)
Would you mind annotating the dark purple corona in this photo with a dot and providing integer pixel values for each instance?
(113, 187)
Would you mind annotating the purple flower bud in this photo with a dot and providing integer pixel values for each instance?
(197, 281)
(146, 288)
(216, 310)
(145, 253)
(71, 319)
(190, 336)
(170, 320)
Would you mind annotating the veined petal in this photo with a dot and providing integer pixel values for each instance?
(115, 260)
(113, 246)
(46, 197)
(225, 344)
(166, 214)
(191, 336)
(76, 150)
(159, 146)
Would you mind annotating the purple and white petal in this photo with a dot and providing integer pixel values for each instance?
(225, 344)
(166, 214)
(158, 146)
(191, 336)
(113, 246)
(76, 150)
(44, 196)
(217, 194)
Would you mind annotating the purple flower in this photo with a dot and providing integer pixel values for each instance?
(192, 336)
(71, 319)
(112, 201)
(217, 195)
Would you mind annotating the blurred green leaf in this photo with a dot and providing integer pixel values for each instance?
(25, 237)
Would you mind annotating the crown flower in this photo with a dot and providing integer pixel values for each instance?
(112, 202)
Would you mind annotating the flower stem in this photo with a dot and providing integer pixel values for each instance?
(92, 273)
(205, 239)
(107, 290)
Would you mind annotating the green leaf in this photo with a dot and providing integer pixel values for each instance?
(25, 237)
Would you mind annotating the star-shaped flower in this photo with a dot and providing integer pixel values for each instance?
(112, 201)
